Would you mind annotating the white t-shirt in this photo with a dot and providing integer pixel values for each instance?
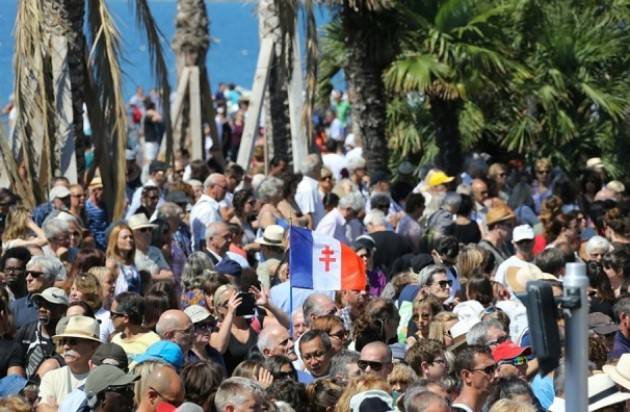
(106, 325)
(512, 261)
(204, 212)
(308, 199)
(58, 383)
(333, 225)
(335, 162)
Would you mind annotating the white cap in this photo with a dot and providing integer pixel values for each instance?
(197, 313)
(58, 192)
(522, 232)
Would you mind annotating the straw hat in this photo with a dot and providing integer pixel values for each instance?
(81, 327)
(517, 277)
(272, 236)
(602, 392)
(499, 213)
(620, 373)
(140, 221)
(96, 183)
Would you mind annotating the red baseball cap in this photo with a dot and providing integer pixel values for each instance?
(509, 350)
(165, 407)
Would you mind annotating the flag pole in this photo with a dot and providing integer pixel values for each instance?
(288, 257)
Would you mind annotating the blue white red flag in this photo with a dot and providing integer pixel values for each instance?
(323, 263)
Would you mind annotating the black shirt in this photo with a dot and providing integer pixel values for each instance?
(389, 246)
(468, 233)
(11, 354)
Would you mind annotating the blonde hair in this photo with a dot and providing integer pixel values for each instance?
(14, 404)
(495, 169)
(248, 369)
(358, 385)
(469, 261)
(112, 245)
(217, 298)
(90, 287)
(100, 272)
(509, 405)
(402, 373)
(16, 225)
(437, 328)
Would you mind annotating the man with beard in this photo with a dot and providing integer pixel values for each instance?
(36, 336)
(13, 265)
(77, 343)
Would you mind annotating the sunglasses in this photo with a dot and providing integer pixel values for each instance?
(34, 274)
(518, 361)
(374, 365)
(205, 326)
(69, 341)
(498, 341)
(488, 370)
(341, 335)
(443, 283)
(283, 375)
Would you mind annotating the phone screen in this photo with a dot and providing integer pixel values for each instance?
(247, 306)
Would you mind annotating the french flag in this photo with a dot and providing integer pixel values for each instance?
(323, 263)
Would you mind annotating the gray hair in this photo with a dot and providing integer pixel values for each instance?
(352, 200)
(427, 273)
(193, 271)
(375, 217)
(355, 163)
(265, 336)
(451, 201)
(597, 244)
(169, 210)
(55, 227)
(270, 188)
(477, 335)
(194, 183)
(212, 180)
(311, 306)
(214, 228)
(236, 391)
(421, 401)
(311, 164)
(340, 362)
(51, 266)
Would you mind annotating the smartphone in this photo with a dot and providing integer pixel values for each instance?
(247, 306)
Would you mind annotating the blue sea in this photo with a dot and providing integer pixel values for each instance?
(231, 58)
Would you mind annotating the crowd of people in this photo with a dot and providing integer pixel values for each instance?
(186, 302)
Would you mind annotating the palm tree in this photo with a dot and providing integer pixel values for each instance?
(454, 58)
(57, 70)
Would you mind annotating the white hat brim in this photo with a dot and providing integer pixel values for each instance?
(612, 373)
(613, 399)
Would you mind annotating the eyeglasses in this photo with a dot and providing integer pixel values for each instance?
(34, 274)
(341, 335)
(374, 365)
(498, 341)
(441, 361)
(518, 361)
(205, 326)
(417, 316)
(315, 355)
(443, 283)
(488, 370)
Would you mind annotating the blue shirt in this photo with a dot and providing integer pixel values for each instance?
(97, 223)
(24, 311)
(621, 346)
(542, 386)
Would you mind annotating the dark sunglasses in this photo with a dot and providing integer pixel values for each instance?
(205, 326)
(489, 370)
(499, 340)
(69, 341)
(283, 375)
(518, 361)
(443, 283)
(34, 274)
(374, 365)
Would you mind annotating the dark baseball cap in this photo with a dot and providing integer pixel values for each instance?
(107, 376)
(157, 166)
(111, 354)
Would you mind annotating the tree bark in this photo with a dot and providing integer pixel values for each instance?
(364, 74)
(445, 119)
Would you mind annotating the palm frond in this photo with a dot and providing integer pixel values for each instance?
(145, 19)
(415, 72)
(108, 87)
(312, 55)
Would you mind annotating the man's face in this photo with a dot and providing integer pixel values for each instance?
(184, 335)
(61, 203)
(375, 361)
(513, 368)
(49, 312)
(151, 198)
(14, 273)
(233, 181)
(435, 370)
(119, 399)
(220, 242)
(77, 197)
(526, 248)
(495, 336)
(218, 190)
(299, 326)
(118, 318)
(281, 344)
(251, 404)
(159, 177)
(439, 287)
(76, 351)
(60, 240)
(485, 371)
(315, 357)
(97, 193)
(36, 280)
(480, 191)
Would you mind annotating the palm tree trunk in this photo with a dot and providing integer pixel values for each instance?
(364, 74)
(277, 85)
(445, 119)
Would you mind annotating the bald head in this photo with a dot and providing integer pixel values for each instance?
(163, 384)
(274, 339)
(317, 305)
(376, 359)
(175, 326)
(479, 190)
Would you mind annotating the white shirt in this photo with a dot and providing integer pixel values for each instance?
(335, 162)
(58, 383)
(333, 225)
(204, 212)
(307, 198)
(512, 261)
(106, 325)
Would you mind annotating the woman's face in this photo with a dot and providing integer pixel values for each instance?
(75, 294)
(75, 235)
(448, 338)
(423, 317)
(203, 330)
(366, 256)
(125, 241)
(572, 232)
(337, 338)
(612, 273)
(249, 207)
(326, 184)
